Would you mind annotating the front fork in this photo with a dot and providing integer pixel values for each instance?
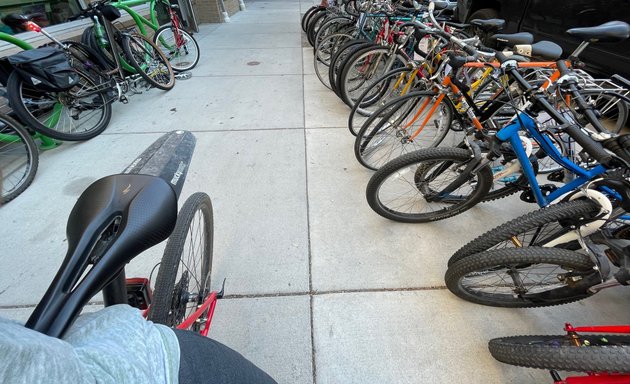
(474, 164)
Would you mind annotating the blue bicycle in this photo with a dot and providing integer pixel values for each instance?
(436, 183)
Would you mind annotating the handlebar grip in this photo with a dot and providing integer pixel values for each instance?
(592, 147)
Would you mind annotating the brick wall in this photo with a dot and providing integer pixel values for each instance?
(231, 6)
(209, 11)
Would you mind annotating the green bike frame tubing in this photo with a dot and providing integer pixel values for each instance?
(15, 41)
(121, 62)
(137, 18)
(140, 21)
(46, 142)
(54, 117)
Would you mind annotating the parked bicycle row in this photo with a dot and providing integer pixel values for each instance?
(64, 90)
(411, 75)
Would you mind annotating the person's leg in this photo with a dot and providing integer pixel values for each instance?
(203, 360)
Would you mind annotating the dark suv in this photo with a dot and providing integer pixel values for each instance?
(549, 19)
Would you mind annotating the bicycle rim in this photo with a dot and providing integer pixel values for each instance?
(19, 159)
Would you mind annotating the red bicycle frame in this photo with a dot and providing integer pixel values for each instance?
(593, 377)
(209, 304)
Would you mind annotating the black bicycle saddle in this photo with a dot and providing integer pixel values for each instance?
(546, 50)
(512, 39)
(610, 32)
(489, 25)
(16, 22)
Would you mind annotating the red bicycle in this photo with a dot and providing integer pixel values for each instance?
(118, 217)
(604, 353)
(179, 46)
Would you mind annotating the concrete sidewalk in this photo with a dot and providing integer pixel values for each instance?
(319, 288)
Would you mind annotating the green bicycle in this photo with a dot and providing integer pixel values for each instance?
(45, 141)
(179, 47)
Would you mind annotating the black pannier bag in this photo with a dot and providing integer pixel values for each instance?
(46, 69)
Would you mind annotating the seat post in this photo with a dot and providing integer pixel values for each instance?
(116, 291)
(580, 48)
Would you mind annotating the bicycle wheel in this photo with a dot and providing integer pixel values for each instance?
(410, 188)
(183, 280)
(597, 353)
(509, 183)
(314, 24)
(363, 68)
(306, 15)
(522, 277)
(331, 26)
(323, 55)
(391, 85)
(545, 163)
(149, 61)
(536, 228)
(334, 25)
(403, 125)
(312, 11)
(104, 50)
(19, 159)
(79, 113)
(612, 110)
(179, 47)
(88, 61)
(338, 59)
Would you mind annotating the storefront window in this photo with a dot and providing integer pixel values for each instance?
(43, 12)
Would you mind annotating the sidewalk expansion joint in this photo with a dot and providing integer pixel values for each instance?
(287, 294)
(333, 292)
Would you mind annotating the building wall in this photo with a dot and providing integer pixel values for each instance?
(209, 11)
(65, 31)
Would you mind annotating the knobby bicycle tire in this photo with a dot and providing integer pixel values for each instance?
(602, 353)
(532, 229)
(148, 61)
(182, 58)
(19, 159)
(61, 110)
(522, 277)
(167, 306)
(426, 167)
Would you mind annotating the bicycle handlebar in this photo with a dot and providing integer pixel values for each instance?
(591, 146)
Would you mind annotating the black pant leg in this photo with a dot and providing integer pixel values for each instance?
(203, 360)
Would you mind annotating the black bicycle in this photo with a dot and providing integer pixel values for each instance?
(83, 110)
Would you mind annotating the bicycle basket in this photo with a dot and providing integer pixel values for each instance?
(46, 69)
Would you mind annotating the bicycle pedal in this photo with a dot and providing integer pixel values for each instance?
(124, 99)
(528, 195)
(556, 176)
(139, 292)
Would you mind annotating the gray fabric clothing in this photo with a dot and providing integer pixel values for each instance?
(115, 345)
